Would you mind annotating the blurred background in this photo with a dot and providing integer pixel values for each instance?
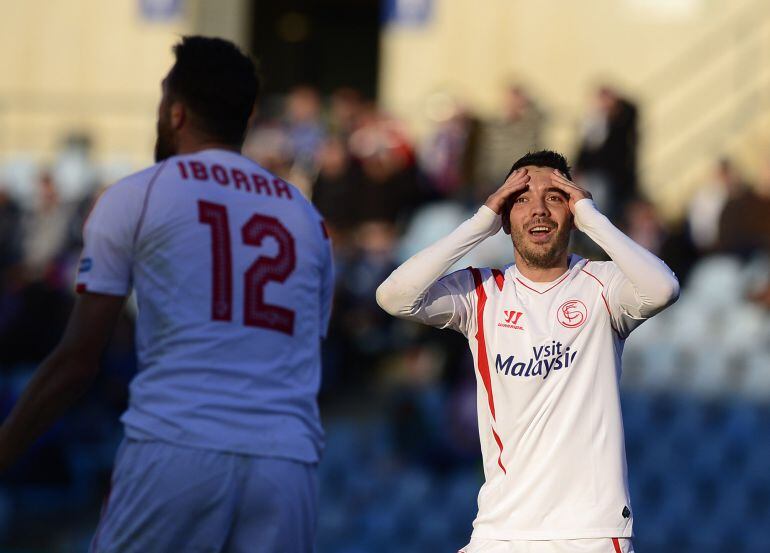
(397, 118)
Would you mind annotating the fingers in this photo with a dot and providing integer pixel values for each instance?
(516, 181)
(558, 177)
(563, 183)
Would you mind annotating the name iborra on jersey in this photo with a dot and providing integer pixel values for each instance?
(253, 183)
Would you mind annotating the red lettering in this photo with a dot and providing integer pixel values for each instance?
(240, 179)
(281, 189)
(182, 169)
(261, 185)
(215, 216)
(220, 175)
(199, 170)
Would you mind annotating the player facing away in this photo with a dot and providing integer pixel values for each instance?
(233, 277)
(547, 334)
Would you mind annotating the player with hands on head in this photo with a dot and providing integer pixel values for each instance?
(546, 333)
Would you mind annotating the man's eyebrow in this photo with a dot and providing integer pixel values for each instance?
(559, 190)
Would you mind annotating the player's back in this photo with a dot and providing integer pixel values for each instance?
(232, 272)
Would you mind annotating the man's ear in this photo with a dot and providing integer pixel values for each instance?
(506, 222)
(252, 117)
(505, 214)
(178, 115)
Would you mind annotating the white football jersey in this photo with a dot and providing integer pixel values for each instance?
(548, 363)
(232, 270)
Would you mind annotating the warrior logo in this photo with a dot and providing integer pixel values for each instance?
(511, 320)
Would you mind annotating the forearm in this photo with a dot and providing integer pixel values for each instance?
(54, 387)
(401, 293)
(653, 284)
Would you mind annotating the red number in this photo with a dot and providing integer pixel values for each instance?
(255, 311)
(265, 269)
(215, 215)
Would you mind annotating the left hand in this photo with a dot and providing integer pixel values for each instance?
(572, 190)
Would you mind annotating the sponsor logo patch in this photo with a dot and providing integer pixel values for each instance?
(545, 359)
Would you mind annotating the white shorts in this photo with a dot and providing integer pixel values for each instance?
(598, 545)
(168, 498)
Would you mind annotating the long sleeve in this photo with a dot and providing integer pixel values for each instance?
(414, 291)
(644, 285)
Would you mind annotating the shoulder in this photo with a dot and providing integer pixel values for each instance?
(134, 185)
(599, 271)
(461, 281)
(124, 197)
(476, 278)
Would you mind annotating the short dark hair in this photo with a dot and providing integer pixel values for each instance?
(217, 82)
(543, 158)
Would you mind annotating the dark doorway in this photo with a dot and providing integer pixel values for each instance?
(324, 43)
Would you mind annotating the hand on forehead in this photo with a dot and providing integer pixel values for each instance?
(540, 179)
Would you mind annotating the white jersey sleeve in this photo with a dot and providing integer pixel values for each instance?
(460, 289)
(637, 284)
(109, 235)
(413, 290)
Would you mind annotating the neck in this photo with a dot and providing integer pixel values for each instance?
(191, 143)
(541, 274)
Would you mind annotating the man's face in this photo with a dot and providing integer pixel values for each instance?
(165, 144)
(540, 221)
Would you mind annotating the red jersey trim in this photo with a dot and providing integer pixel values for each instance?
(481, 354)
(604, 298)
(499, 278)
(544, 291)
(499, 455)
(616, 545)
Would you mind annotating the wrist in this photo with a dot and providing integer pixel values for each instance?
(585, 211)
(487, 219)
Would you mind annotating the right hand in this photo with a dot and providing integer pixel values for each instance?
(516, 182)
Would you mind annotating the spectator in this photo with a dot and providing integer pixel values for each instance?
(333, 186)
(345, 110)
(385, 178)
(744, 224)
(45, 228)
(450, 154)
(607, 154)
(304, 127)
(506, 138)
(10, 230)
(269, 145)
(709, 201)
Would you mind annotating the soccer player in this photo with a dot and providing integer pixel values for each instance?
(547, 334)
(232, 272)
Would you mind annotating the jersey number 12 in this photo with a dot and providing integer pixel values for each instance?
(265, 269)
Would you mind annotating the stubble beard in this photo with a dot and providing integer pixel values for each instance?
(164, 142)
(542, 256)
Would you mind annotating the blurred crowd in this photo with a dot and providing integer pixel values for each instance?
(384, 196)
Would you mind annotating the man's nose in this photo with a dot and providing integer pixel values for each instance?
(539, 207)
